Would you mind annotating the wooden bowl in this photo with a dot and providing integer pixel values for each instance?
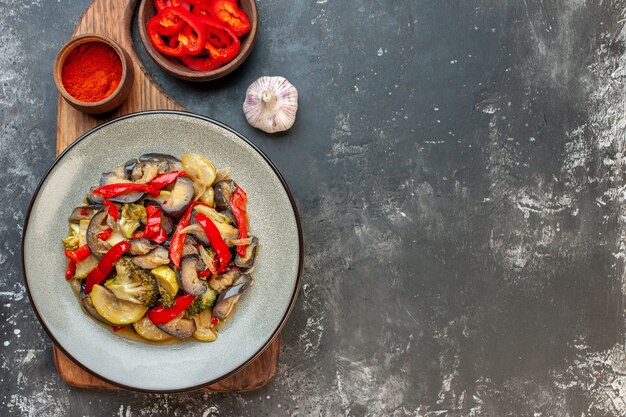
(112, 101)
(176, 68)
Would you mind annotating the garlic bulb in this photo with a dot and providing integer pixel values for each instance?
(271, 104)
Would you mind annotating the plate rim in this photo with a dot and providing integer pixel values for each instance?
(294, 207)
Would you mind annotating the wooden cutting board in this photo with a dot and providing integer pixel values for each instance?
(113, 18)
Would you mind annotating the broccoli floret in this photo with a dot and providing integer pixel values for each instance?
(71, 242)
(133, 284)
(202, 302)
(167, 300)
(132, 217)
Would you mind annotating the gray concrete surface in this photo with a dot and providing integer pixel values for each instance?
(459, 170)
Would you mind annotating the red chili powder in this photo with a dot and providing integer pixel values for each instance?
(91, 72)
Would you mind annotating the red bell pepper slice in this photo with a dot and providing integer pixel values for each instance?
(202, 9)
(113, 190)
(106, 234)
(117, 328)
(162, 4)
(153, 223)
(78, 254)
(159, 237)
(214, 320)
(223, 253)
(182, 4)
(178, 239)
(238, 202)
(200, 63)
(168, 23)
(113, 211)
(191, 43)
(162, 315)
(105, 266)
(231, 16)
(186, 44)
(70, 270)
(166, 179)
(222, 46)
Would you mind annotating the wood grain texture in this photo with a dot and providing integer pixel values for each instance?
(113, 18)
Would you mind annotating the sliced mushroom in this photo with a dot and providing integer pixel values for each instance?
(223, 192)
(189, 276)
(156, 257)
(247, 261)
(180, 326)
(97, 224)
(148, 330)
(141, 246)
(84, 213)
(227, 299)
(220, 282)
(180, 197)
(166, 162)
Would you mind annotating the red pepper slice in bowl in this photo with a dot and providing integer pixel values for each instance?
(167, 23)
(217, 56)
(231, 16)
(185, 43)
(191, 44)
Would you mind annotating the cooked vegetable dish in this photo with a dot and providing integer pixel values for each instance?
(161, 248)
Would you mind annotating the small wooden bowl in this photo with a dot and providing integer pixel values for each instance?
(112, 101)
(176, 68)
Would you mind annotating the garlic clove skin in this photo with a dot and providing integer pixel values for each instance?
(271, 104)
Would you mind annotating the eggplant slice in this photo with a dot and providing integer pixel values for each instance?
(189, 276)
(97, 224)
(156, 257)
(223, 192)
(84, 213)
(180, 197)
(247, 261)
(180, 326)
(227, 299)
(141, 246)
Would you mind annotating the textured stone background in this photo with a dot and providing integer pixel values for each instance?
(458, 167)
